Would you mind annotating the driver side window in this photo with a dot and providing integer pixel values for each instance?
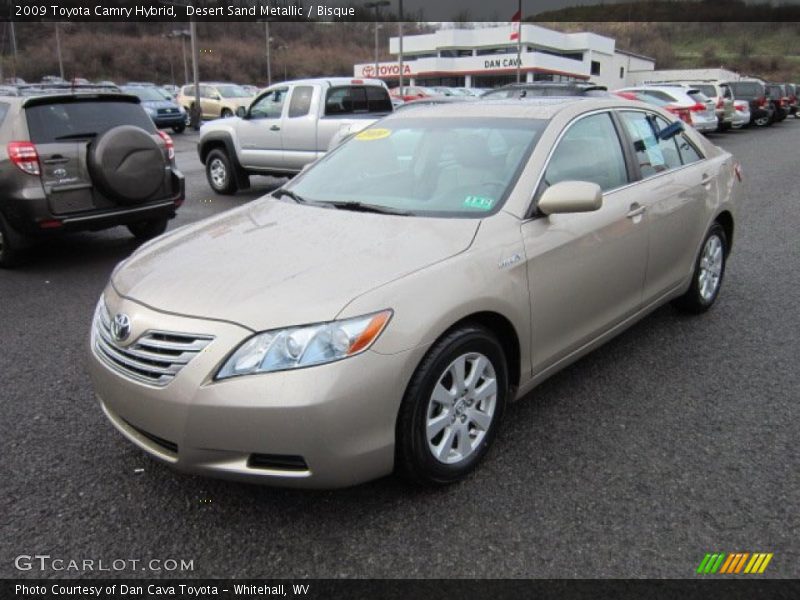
(589, 151)
(269, 106)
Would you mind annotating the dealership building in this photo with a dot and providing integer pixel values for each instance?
(487, 57)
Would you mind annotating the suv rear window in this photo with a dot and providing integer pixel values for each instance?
(746, 89)
(53, 122)
(708, 90)
(352, 99)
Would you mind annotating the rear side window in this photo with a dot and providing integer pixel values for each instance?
(747, 89)
(653, 155)
(300, 103)
(589, 151)
(708, 90)
(75, 120)
(3, 111)
(353, 99)
(689, 153)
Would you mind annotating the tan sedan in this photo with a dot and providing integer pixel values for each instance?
(380, 311)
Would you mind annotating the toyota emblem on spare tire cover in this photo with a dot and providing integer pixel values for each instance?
(121, 327)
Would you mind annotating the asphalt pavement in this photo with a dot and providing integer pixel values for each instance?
(678, 438)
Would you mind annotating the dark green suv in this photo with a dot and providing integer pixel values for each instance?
(82, 161)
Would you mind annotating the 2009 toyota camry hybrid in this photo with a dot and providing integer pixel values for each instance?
(380, 311)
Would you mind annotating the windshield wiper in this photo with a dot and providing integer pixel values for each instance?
(284, 192)
(76, 136)
(373, 208)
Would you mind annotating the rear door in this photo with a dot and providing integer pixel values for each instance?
(62, 131)
(299, 127)
(673, 189)
(349, 104)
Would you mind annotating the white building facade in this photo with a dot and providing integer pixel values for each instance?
(487, 57)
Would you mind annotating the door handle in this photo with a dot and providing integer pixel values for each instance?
(275, 128)
(636, 210)
(706, 179)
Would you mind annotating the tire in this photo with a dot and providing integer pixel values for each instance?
(226, 112)
(416, 452)
(219, 172)
(12, 246)
(147, 230)
(709, 271)
(762, 122)
(179, 128)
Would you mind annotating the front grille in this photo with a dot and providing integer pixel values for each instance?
(156, 357)
(167, 111)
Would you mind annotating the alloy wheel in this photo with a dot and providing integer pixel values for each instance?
(218, 172)
(461, 408)
(710, 268)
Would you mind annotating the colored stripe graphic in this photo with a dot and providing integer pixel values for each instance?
(734, 563)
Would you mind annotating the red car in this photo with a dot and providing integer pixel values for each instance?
(413, 92)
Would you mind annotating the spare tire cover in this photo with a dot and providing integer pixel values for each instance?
(127, 164)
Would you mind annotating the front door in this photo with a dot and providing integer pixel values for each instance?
(260, 133)
(585, 270)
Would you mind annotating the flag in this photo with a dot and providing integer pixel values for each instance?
(515, 25)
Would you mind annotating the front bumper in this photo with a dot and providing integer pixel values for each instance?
(338, 419)
(175, 120)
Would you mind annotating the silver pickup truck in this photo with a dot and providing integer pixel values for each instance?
(288, 126)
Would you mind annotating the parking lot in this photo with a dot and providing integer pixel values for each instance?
(675, 439)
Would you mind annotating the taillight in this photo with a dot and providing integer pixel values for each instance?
(720, 103)
(762, 101)
(699, 107)
(784, 102)
(169, 143)
(25, 156)
(737, 170)
(682, 113)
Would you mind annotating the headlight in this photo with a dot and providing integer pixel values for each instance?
(151, 111)
(296, 347)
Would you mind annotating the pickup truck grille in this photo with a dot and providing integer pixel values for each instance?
(155, 358)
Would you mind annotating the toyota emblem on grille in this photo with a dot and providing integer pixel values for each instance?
(121, 327)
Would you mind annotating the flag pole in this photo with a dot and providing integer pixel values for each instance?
(519, 43)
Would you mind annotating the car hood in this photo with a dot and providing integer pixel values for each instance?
(273, 264)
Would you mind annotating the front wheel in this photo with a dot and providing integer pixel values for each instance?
(452, 407)
(147, 230)
(219, 172)
(226, 112)
(709, 270)
(179, 128)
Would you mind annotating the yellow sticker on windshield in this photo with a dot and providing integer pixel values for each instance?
(369, 135)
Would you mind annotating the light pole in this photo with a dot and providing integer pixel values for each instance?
(197, 113)
(183, 34)
(400, 53)
(269, 59)
(377, 6)
(58, 52)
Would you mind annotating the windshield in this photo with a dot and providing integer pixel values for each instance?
(145, 94)
(233, 91)
(446, 167)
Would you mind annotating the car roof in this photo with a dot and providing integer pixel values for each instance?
(534, 108)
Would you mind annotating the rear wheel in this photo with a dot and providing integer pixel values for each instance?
(709, 270)
(452, 408)
(761, 121)
(147, 230)
(11, 246)
(219, 172)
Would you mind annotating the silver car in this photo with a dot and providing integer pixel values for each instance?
(682, 98)
(380, 311)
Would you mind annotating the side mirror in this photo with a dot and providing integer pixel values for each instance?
(571, 197)
(216, 97)
(671, 130)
